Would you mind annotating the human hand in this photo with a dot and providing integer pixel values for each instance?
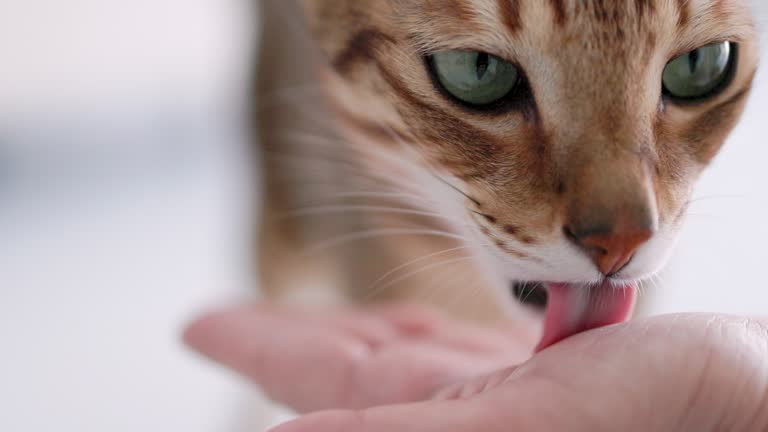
(406, 370)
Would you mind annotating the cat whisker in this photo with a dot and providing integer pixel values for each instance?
(649, 283)
(376, 233)
(452, 277)
(315, 188)
(385, 195)
(332, 209)
(431, 171)
(290, 90)
(465, 295)
(311, 161)
(702, 215)
(406, 147)
(434, 174)
(528, 290)
(716, 197)
(363, 150)
(436, 282)
(287, 96)
(457, 189)
(410, 200)
(641, 287)
(351, 167)
(335, 142)
(374, 286)
(421, 270)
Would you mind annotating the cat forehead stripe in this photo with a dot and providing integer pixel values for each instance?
(564, 9)
(615, 10)
(510, 14)
(559, 9)
(683, 14)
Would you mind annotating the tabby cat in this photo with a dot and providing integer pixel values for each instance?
(449, 151)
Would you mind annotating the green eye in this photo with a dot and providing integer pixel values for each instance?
(475, 78)
(700, 73)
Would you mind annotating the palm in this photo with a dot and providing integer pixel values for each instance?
(312, 361)
(403, 370)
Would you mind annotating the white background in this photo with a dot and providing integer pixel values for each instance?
(124, 210)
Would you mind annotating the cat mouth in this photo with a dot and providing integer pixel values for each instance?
(570, 309)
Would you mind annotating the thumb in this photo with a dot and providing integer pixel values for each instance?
(434, 416)
(688, 372)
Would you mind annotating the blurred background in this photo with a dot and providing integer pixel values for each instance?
(126, 203)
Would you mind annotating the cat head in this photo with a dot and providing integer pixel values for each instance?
(574, 129)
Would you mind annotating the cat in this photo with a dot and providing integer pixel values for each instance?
(447, 151)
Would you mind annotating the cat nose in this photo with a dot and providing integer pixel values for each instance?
(611, 207)
(610, 248)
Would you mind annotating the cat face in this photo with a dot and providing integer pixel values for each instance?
(574, 129)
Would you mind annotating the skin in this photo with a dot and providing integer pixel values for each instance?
(405, 369)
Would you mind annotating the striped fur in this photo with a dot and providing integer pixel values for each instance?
(594, 135)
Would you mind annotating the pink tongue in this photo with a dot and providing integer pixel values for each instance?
(574, 309)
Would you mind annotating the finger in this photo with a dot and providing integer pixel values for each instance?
(282, 352)
(355, 322)
(489, 412)
(410, 319)
(476, 386)
(691, 372)
(420, 417)
(517, 339)
(309, 362)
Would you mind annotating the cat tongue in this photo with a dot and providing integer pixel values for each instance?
(572, 309)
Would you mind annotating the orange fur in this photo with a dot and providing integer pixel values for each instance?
(595, 139)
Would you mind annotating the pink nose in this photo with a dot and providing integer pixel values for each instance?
(612, 250)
